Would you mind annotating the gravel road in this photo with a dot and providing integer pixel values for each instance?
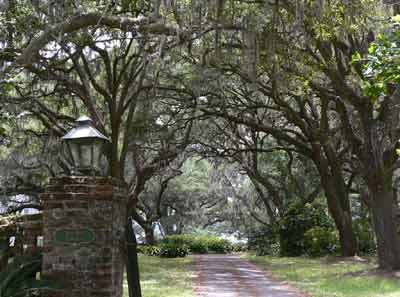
(231, 276)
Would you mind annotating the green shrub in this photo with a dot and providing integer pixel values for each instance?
(179, 239)
(200, 244)
(320, 241)
(218, 245)
(173, 250)
(275, 249)
(295, 222)
(265, 241)
(239, 247)
(365, 236)
(272, 249)
(149, 250)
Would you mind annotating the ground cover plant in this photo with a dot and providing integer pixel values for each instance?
(165, 277)
(331, 276)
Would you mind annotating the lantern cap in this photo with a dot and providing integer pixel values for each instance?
(85, 129)
(84, 120)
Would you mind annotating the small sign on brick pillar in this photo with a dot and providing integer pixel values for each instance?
(83, 230)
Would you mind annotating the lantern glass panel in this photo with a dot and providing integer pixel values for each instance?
(97, 153)
(74, 149)
(86, 154)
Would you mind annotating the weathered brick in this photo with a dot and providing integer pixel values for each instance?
(96, 205)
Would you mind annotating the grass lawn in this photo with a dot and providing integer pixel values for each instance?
(327, 277)
(165, 277)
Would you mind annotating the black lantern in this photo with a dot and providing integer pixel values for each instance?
(85, 147)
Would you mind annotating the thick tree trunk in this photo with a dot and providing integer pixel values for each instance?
(333, 183)
(348, 240)
(339, 209)
(132, 264)
(378, 158)
(344, 225)
(384, 217)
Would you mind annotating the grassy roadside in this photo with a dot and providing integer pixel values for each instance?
(165, 277)
(330, 278)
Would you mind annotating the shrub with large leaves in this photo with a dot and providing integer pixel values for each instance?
(19, 277)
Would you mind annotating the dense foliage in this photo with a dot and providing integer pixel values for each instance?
(231, 116)
(298, 221)
(321, 241)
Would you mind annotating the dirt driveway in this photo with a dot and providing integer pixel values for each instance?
(231, 276)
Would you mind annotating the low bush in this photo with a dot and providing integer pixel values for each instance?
(320, 241)
(239, 247)
(265, 241)
(173, 250)
(200, 244)
(268, 249)
(180, 245)
(149, 250)
(179, 239)
(218, 245)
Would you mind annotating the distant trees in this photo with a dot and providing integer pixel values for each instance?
(153, 203)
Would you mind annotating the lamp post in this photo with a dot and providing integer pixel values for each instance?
(85, 147)
(83, 221)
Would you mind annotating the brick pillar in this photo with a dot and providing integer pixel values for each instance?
(83, 228)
